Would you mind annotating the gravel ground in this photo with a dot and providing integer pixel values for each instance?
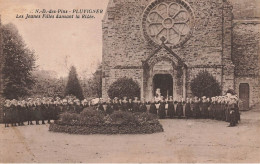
(182, 141)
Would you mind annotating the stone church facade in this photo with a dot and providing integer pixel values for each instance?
(166, 43)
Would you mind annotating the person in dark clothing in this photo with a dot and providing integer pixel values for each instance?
(100, 105)
(125, 104)
(109, 109)
(204, 107)
(233, 120)
(179, 109)
(78, 107)
(14, 113)
(116, 104)
(218, 108)
(196, 108)
(65, 106)
(153, 109)
(211, 108)
(142, 107)
(43, 110)
(161, 110)
(48, 109)
(171, 111)
(130, 105)
(19, 113)
(37, 113)
(7, 113)
(22, 113)
(188, 112)
(223, 108)
(29, 112)
(135, 105)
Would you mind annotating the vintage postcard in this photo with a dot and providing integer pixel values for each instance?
(129, 81)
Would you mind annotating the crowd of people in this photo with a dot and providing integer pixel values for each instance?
(224, 108)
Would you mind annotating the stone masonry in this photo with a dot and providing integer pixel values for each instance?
(214, 44)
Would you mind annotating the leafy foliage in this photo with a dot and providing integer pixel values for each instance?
(92, 86)
(47, 84)
(91, 121)
(19, 62)
(120, 117)
(204, 84)
(231, 91)
(73, 86)
(124, 87)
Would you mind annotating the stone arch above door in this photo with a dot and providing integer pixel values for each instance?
(159, 66)
(173, 66)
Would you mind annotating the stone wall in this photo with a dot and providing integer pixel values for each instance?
(254, 87)
(124, 43)
(245, 56)
(246, 49)
(245, 9)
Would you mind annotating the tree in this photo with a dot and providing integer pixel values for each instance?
(124, 87)
(47, 84)
(19, 62)
(92, 86)
(204, 84)
(73, 86)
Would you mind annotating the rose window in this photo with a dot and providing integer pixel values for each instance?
(170, 22)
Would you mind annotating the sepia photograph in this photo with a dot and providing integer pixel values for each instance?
(129, 81)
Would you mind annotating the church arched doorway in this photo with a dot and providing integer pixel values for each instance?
(165, 83)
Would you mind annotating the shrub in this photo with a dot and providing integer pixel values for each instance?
(94, 122)
(73, 86)
(231, 91)
(69, 118)
(204, 84)
(90, 116)
(120, 117)
(146, 118)
(124, 87)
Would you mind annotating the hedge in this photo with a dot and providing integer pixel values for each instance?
(95, 122)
